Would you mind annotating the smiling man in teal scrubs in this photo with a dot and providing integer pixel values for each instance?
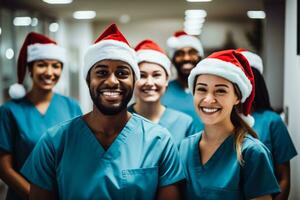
(108, 153)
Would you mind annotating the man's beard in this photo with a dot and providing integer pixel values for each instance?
(110, 110)
(184, 74)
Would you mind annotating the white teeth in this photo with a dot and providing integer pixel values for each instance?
(111, 94)
(47, 81)
(210, 110)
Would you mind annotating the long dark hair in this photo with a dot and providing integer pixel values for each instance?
(261, 100)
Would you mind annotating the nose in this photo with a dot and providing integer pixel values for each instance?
(149, 80)
(49, 70)
(186, 56)
(112, 80)
(209, 99)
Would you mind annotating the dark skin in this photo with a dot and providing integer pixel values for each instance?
(282, 172)
(184, 60)
(111, 82)
(44, 74)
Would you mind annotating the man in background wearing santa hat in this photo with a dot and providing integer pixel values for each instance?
(107, 153)
(25, 118)
(185, 52)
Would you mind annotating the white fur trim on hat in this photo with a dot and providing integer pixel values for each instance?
(248, 119)
(175, 43)
(254, 60)
(154, 57)
(45, 51)
(223, 69)
(16, 91)
(113, 50)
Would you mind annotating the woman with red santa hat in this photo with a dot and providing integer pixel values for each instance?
(25, 118)
(225, 160)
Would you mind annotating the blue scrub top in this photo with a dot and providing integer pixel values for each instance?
(69, 157)
(222, 176)
(22, 125)
(273, 133)
(178, 124)
(182, 100)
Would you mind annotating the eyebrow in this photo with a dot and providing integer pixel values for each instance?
(101, 66)
(203, 84)
(221, 85)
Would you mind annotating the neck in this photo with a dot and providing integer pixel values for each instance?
(182, 82)
(152, 111)
(107, 124)
(217, 133)
(36, 95)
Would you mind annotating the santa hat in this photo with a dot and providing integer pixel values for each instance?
(253, 59)
(149, 51)
(233, 66)
(111, 44)
(181, 39)
(35, 47)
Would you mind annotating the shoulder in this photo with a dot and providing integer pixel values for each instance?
(190, 141)
(179, 115)
(253, 146)
(63, 130)
(12, 105)
(150, 129)
(65, 98)
(268, 114)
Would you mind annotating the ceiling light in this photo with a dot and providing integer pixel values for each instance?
(195, 13)
(22, 21)
(256, 14)
(53, 27)
(124, 19)
(58, 1)
(198, 0)
(9, 53)
(34, 21)
(84, 14)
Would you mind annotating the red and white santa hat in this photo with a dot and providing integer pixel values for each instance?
(233, 66)
(253, 59)
(111, 44)
(149, 51)
(181, 39)
(35, 47)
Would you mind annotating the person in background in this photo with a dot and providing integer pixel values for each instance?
(25, 118)
(225, 160)
(107, 153)
(186, 51)
(270, 128)
(155, 66)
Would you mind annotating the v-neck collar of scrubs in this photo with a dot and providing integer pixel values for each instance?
(215, 156)
(113, 151)
(43, 115)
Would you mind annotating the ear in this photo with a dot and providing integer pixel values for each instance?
(237, 102)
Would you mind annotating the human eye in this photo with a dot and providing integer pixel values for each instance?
(101, 72)
(157, 75)
(221, 91)
(122, 73)
(201, 89)
(56, 65)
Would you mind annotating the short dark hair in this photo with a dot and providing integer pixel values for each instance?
(261, 100)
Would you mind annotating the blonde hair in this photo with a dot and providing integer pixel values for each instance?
(241, 127)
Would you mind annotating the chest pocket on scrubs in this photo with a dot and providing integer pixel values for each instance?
(140, 183)
(219, 193)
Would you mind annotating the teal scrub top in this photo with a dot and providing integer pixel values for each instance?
(178, 124)
(22, 125)
(222, 176)
(182, 100)
(273, 133)
(69, 157)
